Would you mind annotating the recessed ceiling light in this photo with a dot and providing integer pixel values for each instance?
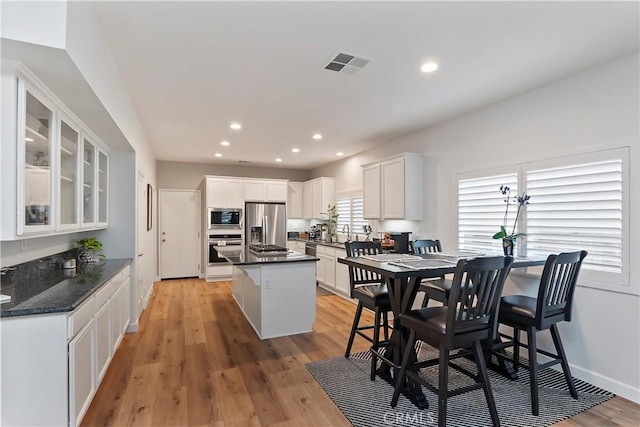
(278, 159)
(295, 150)
(429, 67)
(29, 139)
(218, 155)
(317, 136)
(235, 126)
(339, 153)
(225, 143)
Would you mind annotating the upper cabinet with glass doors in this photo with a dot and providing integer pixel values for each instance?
(55, 172)
(35, 145)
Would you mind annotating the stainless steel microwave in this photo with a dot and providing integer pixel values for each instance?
(220, 218)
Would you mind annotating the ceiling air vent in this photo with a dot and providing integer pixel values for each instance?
(348, 63)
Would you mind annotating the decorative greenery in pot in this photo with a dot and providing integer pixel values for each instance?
(90, 250)
(509, 239)
(331, 224)
(367, 230)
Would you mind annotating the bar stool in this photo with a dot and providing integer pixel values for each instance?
(437, 289)
(371, 292)
(553, 305)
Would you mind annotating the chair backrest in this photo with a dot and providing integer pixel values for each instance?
(475, 294)
(425, 246)
(359, 276)
(558, 282)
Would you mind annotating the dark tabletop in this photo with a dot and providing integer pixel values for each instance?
(241, 255)
(54, 290)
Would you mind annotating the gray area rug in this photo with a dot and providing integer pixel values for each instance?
(368, 403)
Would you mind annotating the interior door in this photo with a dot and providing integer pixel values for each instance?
(179, 233)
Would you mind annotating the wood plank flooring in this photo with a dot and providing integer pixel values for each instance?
(196, 361)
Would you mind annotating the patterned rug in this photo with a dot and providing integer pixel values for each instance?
(367, 403)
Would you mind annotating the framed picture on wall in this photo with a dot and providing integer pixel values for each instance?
(149, 207)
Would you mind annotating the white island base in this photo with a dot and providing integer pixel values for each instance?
(278, 299)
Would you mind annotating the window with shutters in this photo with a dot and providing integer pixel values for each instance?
(350, 208)
(481, 211)
(577, 203)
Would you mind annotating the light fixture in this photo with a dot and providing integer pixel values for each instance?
(235, 126)
(339, 153)
(278, 160)
(317, 136)
(295, 150)
(29, 139)
(218, 155)
(429, 67)
(225, 143)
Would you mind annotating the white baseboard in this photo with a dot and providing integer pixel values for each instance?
(133, 327)
(609, 384)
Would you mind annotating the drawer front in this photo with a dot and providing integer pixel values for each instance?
(105, 292)
(125, 273)
(320, 249)
(81, 317)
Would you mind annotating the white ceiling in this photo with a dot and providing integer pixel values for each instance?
(193, 67)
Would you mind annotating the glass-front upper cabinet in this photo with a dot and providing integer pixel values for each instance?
(68, 179)
(88, 183)
(103, 183)
(37, 151)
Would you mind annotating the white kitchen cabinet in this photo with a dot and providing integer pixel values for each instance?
(82, 380)
(276, 191)
(321, 267)
(342, 274)
(102, 184)
(69, 179)
(265, 190)
(57, 360)
(317, 195)
(43, 164)
(393, 188)
(330, 270)
(307, 199)
(225, 193)
(294, 200)
(372, 191)
(104, 349)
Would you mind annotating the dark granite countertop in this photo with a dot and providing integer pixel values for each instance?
(50, 289)
(241, 255)
(319, 242)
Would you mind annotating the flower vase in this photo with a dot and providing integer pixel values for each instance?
(509, 246)
(87, 256)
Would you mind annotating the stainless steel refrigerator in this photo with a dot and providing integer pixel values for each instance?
(265, 223)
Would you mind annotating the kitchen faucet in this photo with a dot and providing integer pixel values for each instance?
(348, 232)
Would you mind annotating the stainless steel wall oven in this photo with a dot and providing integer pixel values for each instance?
(217, 240)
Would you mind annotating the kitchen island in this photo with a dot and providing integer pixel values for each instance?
(276, 292)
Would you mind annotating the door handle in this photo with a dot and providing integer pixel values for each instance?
(164, 240)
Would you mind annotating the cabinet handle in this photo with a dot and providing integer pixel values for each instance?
(140, 254)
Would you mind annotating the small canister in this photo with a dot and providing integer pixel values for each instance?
(69, 264)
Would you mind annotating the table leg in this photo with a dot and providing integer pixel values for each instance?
(402, 293)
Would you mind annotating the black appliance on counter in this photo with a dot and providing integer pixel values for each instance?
(401, 241)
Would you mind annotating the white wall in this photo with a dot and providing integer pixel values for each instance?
(592, 110)
(37, 22)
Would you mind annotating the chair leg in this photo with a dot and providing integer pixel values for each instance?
(563, 360)
(356, 320)
(488, 394)
(533, 370)
(516, 348)
(403, 370)
(425, 301)
(443, 384)
(376, 340)
(386, 325)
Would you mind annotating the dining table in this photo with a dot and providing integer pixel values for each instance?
(403, 273)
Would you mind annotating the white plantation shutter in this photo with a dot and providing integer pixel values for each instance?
(350, 209)
(481, 209)
(343, 205)
(357, 214)
(578, 207)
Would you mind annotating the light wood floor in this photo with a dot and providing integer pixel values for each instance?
(196, 361)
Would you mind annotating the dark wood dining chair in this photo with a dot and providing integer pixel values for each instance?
(437, 289)
(371, 292)
(469, 319)
(553, 305)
